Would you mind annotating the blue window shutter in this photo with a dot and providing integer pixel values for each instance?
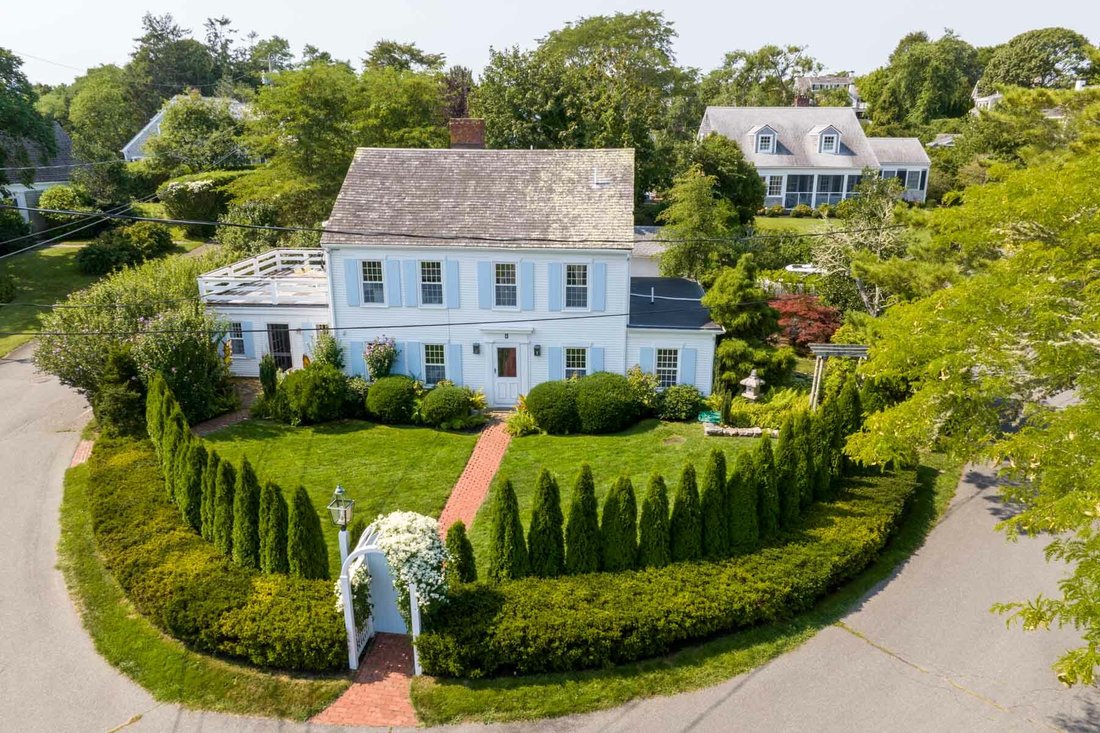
(557, 362)
(399, 361)
(595, 359)
(645, 359)
(393, 283)
(452, 284)
(413, 360)
(485, 285)
(527, 285)
(357, 365)
(308, 335)
(687, 366)
(249, 339)
(353, 280)
(411, 296)
(554, 286)
(454, 363)
(599, 286)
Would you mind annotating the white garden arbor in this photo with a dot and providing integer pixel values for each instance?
(822, 353)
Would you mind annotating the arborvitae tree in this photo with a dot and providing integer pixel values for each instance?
(508, 551)
(273, 529)
(209, 492)
(789, 508)
(806, 457)
(189, 485)
(849, 409)
(223, 507)
(173, 436)
(744, 530)
(827, 458)
(714, 506)
(654, 540)
(154, 422)
(545, 542)
(619, 528)
(767, 509)
(686, 528)
(180, 466)
(463, 568)
(582, 533)
(306, 554)
(246, 517)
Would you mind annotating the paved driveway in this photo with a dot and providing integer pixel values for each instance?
(921, 654)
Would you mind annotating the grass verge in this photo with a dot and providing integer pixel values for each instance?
(440, 701)
(42, 276)
(160, 664)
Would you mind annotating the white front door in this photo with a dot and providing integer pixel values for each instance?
(506, 376)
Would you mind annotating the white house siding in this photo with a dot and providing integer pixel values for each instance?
(645, 266)
(602, 331)
(302, 322)
(702, 342)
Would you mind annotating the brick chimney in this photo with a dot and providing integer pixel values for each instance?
(803, 100)
(467, 133)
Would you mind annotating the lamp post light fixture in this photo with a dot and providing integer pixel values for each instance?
(341, 508)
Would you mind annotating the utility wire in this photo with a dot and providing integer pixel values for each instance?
(99, 217)
(86, 215)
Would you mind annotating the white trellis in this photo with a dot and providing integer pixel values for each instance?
(383, 600)
(821, 353)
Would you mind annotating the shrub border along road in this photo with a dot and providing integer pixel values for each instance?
(440, 701)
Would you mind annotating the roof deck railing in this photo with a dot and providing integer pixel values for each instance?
(275, 277)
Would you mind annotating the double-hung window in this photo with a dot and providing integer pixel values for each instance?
(374, 290)
(668, 367)
(576, 286)
(431, 283)
(775, 185)
(764, 143)
(505, 285)
(576, 362)
(435, 363)
(912, 180)
(236, 339)
(828, 143)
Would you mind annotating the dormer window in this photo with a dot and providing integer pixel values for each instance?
(828, 143)
(765, 143)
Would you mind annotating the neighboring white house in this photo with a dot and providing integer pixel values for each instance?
(808, 87)
(816, 155)
(135, 149)
(496, 269)
(48, 171)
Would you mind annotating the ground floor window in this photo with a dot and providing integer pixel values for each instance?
(236, 339)
(668, 367)
(775, 186)
(912, 180)
(435, 363)
(576, 363)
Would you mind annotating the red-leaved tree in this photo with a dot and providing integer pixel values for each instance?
(804, 319)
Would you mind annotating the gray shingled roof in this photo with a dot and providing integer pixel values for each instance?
(135, 149)
(899, 150)
(804, 84)
(797, 147)
(668, 302)
(461, 195)
(55, 169)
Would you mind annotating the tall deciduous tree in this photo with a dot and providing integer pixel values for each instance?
(19, 120)
(686, 528)
(386, 54)
(761, 78)
(582, 533)
(1046, 57)
(507, 551)
(699, 226)
(736, 179)
(196, 134)
(545, 542)
(654, 539)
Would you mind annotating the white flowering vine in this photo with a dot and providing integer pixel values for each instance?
(360, 592)
(416, 555)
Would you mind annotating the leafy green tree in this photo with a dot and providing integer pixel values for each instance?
(714, 507)
(461, 553)
(508, 552)
(654, 537)
(763, 468)
(686, 527)
(619, 527)
(21, 121)
(698, 226)
(1045, 57)
(582, 533)
(545, 542)
(402, 57)
(458, 86)
(273, 529)
(189, 491)
(786, 467)
(246, 517)
(168, 61)
(207, 509)
(307, 556)
(119, 403)
(223, 507)
(761, 78)
(736, 179)
(744, 525)
(196, 134)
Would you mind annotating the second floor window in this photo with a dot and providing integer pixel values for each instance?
(374, 291)
(576, 286)
(828, 143)
(431, 283)
(236, 339)
(764, 143)
(505, 290)
(576, 363)
(435, 363)
(668, 367)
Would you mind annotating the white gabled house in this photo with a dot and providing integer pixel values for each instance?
(496, 269)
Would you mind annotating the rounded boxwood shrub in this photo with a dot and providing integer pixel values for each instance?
(7, 288)
(605, 403)
(112, 250)
(444, 404)
(554, 407)
(150, 239)
(314, 394)
(391, 400)
(681, 402)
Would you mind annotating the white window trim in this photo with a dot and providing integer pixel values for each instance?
(836, 143)
(912, 172)
(519, 296)
(424, 361)
(679, 364)
(387, 291)
(565, 359)
(420, 284)
(565, 287)
(770, 147)
(782, 184)
(235, 354)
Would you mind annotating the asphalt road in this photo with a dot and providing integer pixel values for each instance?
(921, 653)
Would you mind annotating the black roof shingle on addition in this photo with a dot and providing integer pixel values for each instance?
(668, 302)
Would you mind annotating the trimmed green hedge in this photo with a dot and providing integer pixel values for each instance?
(602, 619)
(190, 590)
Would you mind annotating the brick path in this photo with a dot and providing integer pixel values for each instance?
(469, 493)
(247, 390)
(380, 694)
(83, 451)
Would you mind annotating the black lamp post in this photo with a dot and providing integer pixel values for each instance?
(341, 508)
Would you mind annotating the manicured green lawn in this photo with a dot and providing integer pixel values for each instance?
(383, 468)
(163, 666)
(42, 276)
(769, 224)
(440, 701)
(651, 446)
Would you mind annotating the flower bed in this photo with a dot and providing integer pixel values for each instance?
(597, 620)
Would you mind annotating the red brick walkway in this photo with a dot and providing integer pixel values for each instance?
(380, 694)
(83, 451)
(469, 493)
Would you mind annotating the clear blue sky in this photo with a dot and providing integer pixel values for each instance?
(853, 34)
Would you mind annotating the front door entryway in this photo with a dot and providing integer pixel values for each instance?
(278, 343)
(506, 376)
